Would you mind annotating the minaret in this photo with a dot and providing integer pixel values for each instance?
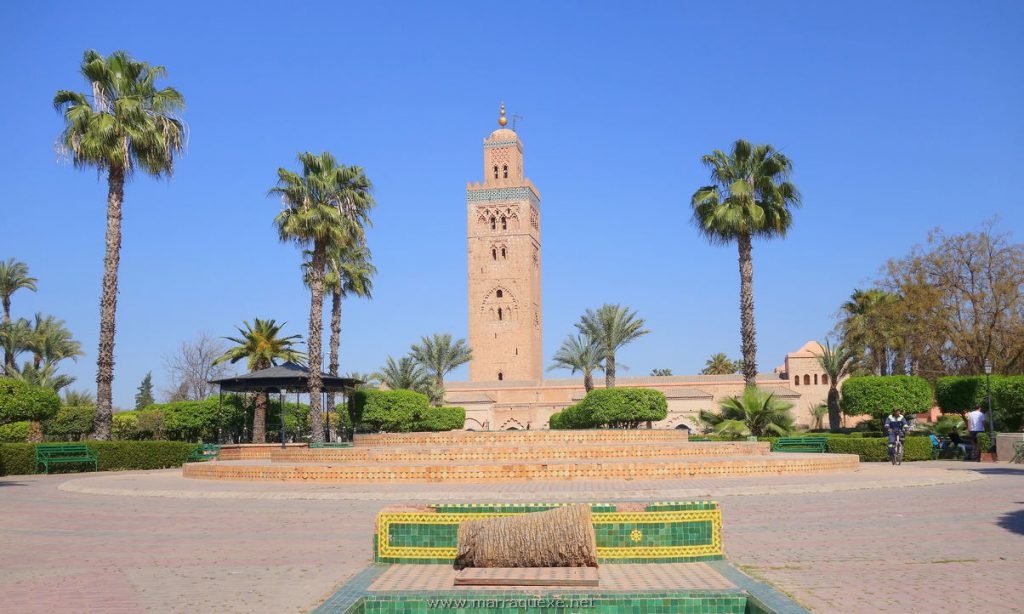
(504, 265)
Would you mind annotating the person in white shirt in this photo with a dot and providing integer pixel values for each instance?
(976, 426)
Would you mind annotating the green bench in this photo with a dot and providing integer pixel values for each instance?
(204, 452)
(70, 453)
(330, 444)
(801, 444)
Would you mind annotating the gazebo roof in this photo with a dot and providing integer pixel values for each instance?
(287, 376)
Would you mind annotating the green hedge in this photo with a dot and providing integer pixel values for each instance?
(402, 411)
(442, 419)
(957, 394)
(960, 393)
(19, 458)
(625, 407)
(873, 449)
(572, 417)
(14, 432)
(22, 401)
(878, 395)
(1008, 402)
(70, 424)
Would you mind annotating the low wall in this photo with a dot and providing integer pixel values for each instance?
(499, 437)
(251, 451)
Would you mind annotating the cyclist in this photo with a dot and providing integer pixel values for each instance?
(896, 426)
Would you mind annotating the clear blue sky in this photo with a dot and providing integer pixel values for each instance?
(899, 117)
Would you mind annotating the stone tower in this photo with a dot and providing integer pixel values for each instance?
(504, 265)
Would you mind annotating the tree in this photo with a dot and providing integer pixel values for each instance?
(13, 277)
(191, 368)
(439, 355)
(719, 364)
(611, 327)
(326, 206)
(755, 412)
(14, 336)
(369, 380)
(127, 123)
(261, 345)
(835, 362)
(866, 328)
(51, 341)
(144, 397)
(750, 197)
(405, 374)
(79, 398)
(579, 353)
(661, 372)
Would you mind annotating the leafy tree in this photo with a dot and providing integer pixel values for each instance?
(836, 363)
(326, 206)
(611, 327)
(439, 355)
(405, 374)
(579, 353)
(20, 400)
(750, 197)
(661, 372)
(127, 123)
(624, 407)
(261, 345)
(877, 395)
(13, 277)
(144, 397)
(719, 364)
(755, 412)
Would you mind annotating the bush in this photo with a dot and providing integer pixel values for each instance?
(1008, 403)
(393, 411)
(19, 458)
(22, 401)
(624, 407)
(577, 417)
(878, 395)
(15, 432)
(442, 419)
(196, 420)
(876, 449)
(958, 394)
(555, 421)
(71, 423)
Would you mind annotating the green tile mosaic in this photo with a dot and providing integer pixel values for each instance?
(676, 602)
(512, 508)
(674, 506)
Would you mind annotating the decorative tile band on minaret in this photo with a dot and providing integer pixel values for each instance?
(503, 236)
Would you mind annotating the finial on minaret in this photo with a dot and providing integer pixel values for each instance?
(502, 120)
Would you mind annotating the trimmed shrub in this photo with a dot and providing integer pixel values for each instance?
(125, 425)
(555, 421)
(15, 432)
(624, 407)
(1008, 403)
(392, 411)
(71, 423)
(876, 449)
(577, 417)
(441, 419)
(197, 420)
(19, 458)
(960, 393)
(878, 395)
(22, 401)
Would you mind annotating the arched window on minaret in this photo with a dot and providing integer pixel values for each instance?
(505, 170)
(503, 257)
(495, 171)
(493, 222)
(501, 376)
(796, 380)
(504, 223)
(494, 254)
(499, 313)
(498, 294)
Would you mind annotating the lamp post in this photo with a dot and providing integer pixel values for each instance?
(988, 394)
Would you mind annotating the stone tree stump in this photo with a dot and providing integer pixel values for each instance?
(561, 537)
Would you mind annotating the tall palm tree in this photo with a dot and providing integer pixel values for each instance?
(14, 337)
(51, 341)
(261, 345)
(750, 197)
(439, 355)
(835, 361)
(611, 327)
(864, 328)
(579, 353)
(13, 277)
(755, 412)
(349, 273)
(719, 364)
(79, 398)
(327, 205)
(405, 374)
(125, 122)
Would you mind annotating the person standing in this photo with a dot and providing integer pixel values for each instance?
(976, 426)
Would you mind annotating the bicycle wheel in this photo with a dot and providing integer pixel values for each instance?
(892, 454)
(899, 453)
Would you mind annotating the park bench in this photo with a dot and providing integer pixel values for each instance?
(204, 452)
(801, 444)
(329, 444)
(70, 453)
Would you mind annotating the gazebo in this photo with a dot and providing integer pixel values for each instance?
(287, 377)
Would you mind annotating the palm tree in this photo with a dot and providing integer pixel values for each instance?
(835, 362)
(865, 329)
(439, 355)
(124, 123)
(14, 337)
(755, 412)
(349, 273)
(405, 374)
(261, 345)
(13, 277)
(51, 341)
(611, 327)
(719, 364)
(326, 206)
(79, 398)
(750, 197)
(579, 353)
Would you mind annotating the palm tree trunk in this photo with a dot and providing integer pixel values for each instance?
(332, 364)
(609, 371)
(439, 382)
(259, 419)
(588, 381)
(316, 324)
(748, 333)
(833, 408)
(108, 306)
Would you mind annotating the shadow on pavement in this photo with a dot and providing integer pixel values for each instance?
(1019, 470)
(1013, 521)
(10, 483)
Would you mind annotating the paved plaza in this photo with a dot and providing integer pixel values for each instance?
(924, 537)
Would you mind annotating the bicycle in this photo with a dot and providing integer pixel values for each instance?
(896, 451)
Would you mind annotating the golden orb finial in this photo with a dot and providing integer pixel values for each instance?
(502, 120)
